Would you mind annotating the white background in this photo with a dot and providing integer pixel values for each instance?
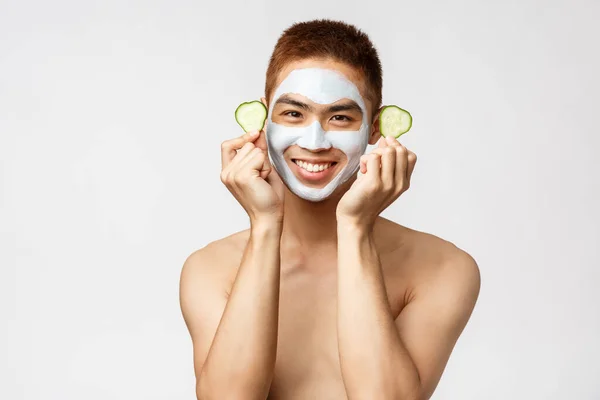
(111, 117)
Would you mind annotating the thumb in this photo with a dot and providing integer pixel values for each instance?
(261, 140)
(261, 143)
(265, 169)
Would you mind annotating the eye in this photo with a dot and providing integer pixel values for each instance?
(293, 114)
(341, 118)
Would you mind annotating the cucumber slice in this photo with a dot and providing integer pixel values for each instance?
(394, 121)
(251, 115)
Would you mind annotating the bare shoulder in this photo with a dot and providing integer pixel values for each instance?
(431, 263)
(216, 263)
(206, 279)
(204, 284)
(438, 284)
(221, 249)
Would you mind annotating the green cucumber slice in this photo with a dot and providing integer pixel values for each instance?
(394, 121)
(251, 116)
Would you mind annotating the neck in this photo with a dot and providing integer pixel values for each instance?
(310, 223)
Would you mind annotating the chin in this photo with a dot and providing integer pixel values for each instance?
(342, 189)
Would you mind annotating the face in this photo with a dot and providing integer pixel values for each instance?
(318, 127)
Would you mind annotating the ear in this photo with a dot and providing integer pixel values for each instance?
(375, 133)
(264, 101)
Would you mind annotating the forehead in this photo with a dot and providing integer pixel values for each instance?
(322, 86)
(349, 73)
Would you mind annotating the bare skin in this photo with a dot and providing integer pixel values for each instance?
(324, 300)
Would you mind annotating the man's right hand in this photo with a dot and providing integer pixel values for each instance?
(245, 169)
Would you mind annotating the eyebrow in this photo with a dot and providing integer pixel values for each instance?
(285, 99)
(350, 105)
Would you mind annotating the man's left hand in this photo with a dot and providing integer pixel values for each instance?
(385, 175)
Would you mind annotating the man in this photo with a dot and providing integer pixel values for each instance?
(322, 298)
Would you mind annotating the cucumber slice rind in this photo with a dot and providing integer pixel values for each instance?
(251, 115)
(394, 121)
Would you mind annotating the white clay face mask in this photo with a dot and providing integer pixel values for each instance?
(322, 86)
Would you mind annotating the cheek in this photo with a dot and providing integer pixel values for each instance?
(279, 139)
(352, 144)
(274, 117)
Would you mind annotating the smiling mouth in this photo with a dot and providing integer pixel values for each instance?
(313, 167)
(314, 174)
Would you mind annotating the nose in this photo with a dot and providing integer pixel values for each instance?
(314, 139)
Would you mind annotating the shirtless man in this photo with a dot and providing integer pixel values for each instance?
(322, 298)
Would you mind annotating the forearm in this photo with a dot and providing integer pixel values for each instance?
(242, 356)
(374, 362)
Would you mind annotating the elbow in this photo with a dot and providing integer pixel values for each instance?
(201, 391)
(417, 391)
(206, 390)
(415, 394)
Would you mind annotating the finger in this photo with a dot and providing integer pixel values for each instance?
(388, 167)
(231, 172)
(253, 163)
(412, 161)
(363, 163)
(229, 147)
(234, 167)
(243, 153)
(373, 165)
(266, 167)
(240, 173)
(392, 141)
(381, 143)
(261, 140)
(261, 143)
(401, 163)
(266, 171)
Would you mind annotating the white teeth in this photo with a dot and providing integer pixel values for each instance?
(312, 167)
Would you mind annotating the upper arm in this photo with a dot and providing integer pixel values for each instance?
(202, 298)
(430, 324)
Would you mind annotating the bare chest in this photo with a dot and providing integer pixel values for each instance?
(307, 364)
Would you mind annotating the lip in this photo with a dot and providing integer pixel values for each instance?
(314, 160)
(314, 178)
